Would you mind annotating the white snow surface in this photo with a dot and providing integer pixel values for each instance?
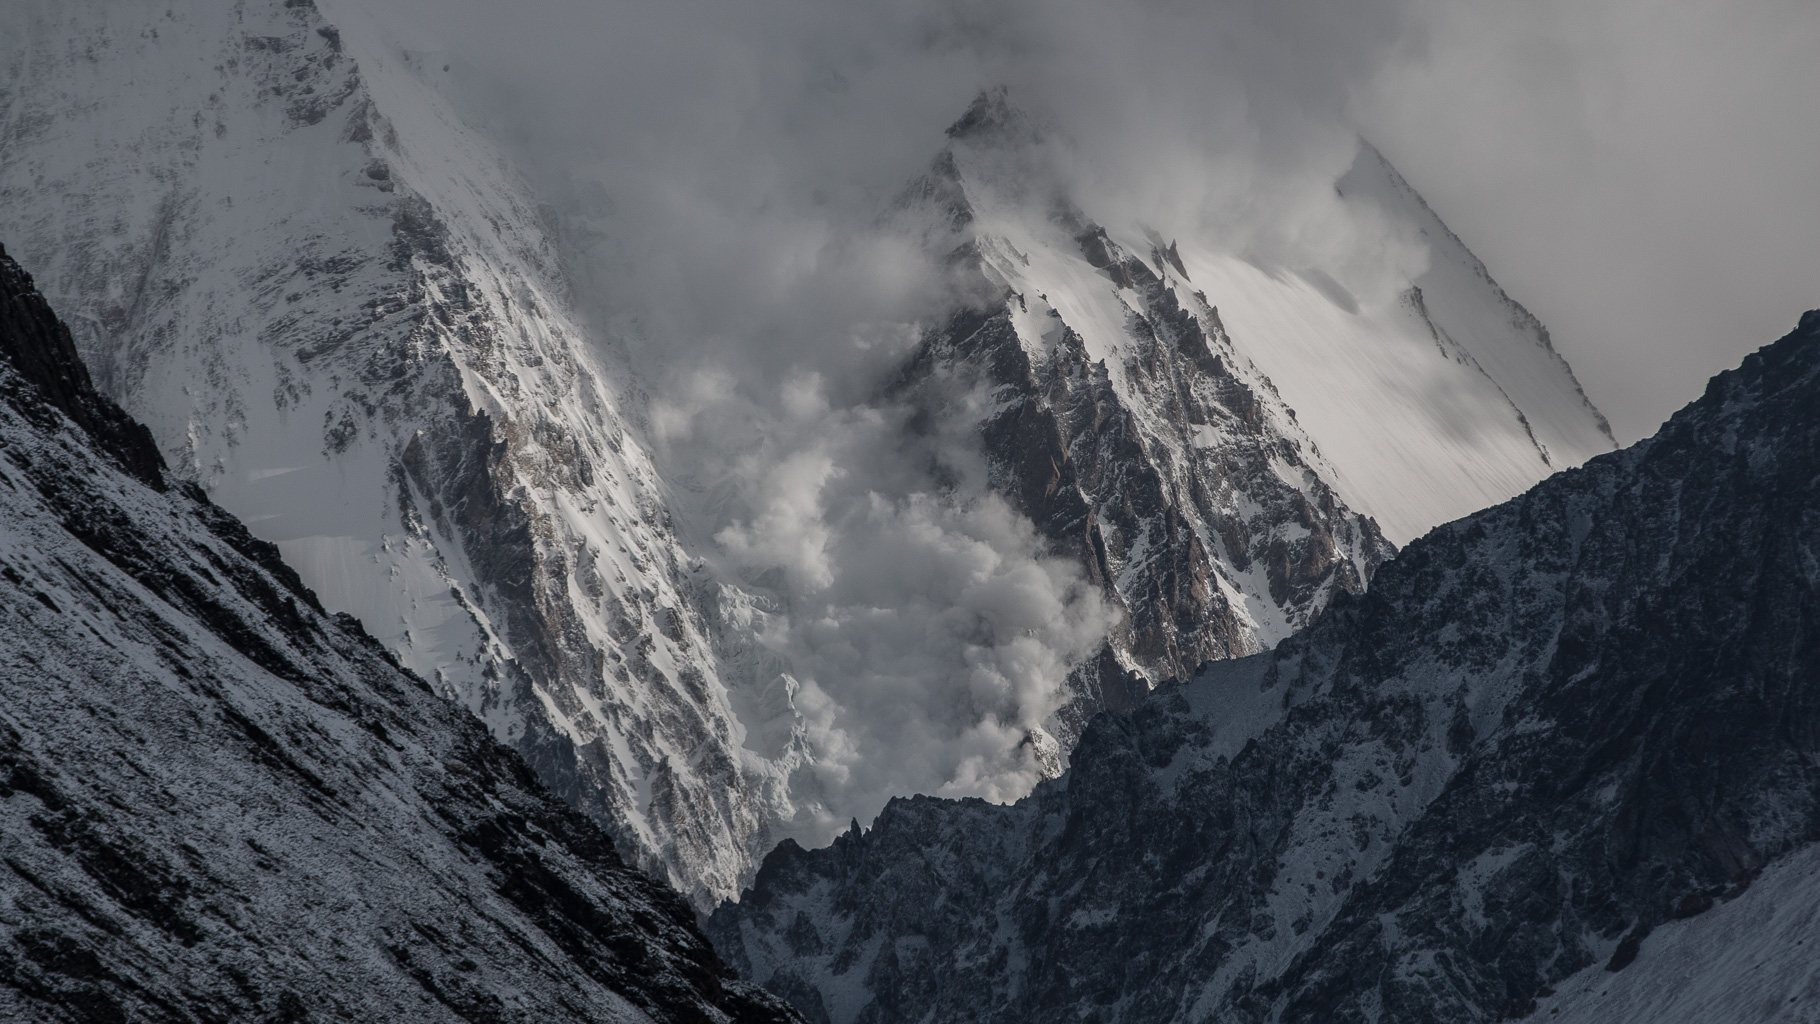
(1746, 960)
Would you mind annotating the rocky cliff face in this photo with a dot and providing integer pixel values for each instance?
(218, 802)
(1157, 456)
(1547, 731)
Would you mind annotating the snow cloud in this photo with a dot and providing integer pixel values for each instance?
(719, 172)
(716, 164)
(1638, 173)
(921, 633)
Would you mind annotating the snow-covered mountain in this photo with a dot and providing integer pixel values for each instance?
(343, 314)
(218, 802)
(1559, 760)
(344, 319)
(1137, 399)
(1117, 413)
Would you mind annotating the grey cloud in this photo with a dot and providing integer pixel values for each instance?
(719, 170)
(1638, 173)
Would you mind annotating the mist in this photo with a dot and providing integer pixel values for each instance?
(1633, 171)
(1638, 173)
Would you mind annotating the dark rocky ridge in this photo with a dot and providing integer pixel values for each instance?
(217, 803)
(1546, 729)
(40, 350)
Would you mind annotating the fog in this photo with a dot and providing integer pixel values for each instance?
(1638, 173)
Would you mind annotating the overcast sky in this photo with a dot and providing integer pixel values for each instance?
(1641, 173)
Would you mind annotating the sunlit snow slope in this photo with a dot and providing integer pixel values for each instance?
(1449, 399)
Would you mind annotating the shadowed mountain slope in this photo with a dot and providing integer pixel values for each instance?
(219, 803)
(1546, 731)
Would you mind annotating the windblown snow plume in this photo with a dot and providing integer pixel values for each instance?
(720, 175)
(917, 634)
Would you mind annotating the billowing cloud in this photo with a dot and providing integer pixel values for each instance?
(923, 635)
(718, 171)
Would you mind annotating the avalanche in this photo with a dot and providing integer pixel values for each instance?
(345, 315)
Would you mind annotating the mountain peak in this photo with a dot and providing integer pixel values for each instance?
(222, 803)
(990, 113)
